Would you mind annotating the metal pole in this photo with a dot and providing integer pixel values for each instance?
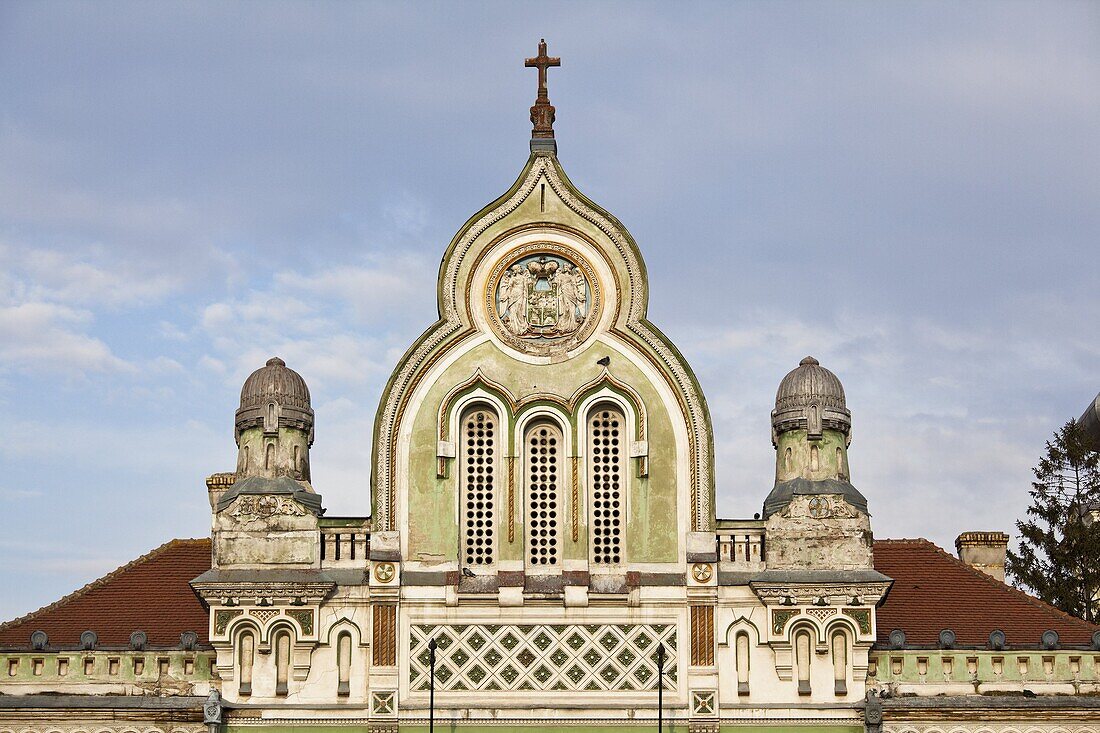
(660, 685)
(431, 694)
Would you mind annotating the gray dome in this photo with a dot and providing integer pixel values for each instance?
(275, 384)
(810, 397)
(808, 383)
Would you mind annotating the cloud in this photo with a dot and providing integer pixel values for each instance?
(47, 337)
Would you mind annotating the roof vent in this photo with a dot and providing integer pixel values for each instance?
(1050, 639)
(947, 639)
(138, 640)
(997, 639)
(188, 640)
(88, 640)
(897, 638)
(39, 640)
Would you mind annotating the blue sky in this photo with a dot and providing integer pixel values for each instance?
(908, 192)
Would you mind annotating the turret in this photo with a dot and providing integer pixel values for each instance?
(814, 516)
(274, 426)
(269, 514)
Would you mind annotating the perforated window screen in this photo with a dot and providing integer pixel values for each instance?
(606, 466)
(543, 445)
(478, 473)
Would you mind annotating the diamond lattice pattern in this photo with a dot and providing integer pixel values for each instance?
(565, 657)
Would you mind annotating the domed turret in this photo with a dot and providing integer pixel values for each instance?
(810, 398)
(274, 425)
(811, 430)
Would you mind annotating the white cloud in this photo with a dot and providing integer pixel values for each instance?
(48, 337)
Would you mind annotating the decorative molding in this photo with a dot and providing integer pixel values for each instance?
(384, 635)
(780, 619)
(252, 508)
(304, 619)
(310, 592)
(805, 594)
(702, 636)
(703, 702)
(222, 617)
(383, 702)
(566, 658)
(574, 499)
(862, 618)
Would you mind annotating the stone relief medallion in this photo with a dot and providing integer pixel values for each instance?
(819, 508)
(543, 298)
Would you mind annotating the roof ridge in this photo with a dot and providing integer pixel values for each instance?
(1003, 586)
(99, 582)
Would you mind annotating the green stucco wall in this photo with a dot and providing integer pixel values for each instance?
(651, 531)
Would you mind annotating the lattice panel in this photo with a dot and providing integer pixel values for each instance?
(566, 658)
(605, 445)
(543, 477)
(479, 451)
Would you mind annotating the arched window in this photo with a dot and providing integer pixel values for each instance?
(282, 661)
(815, 459)
(741, 648)
(607, 479)
(787, 463)
(269, 457)
(543, 450)
(478, 475)
(802, 660)
(840, 662)
(343, 664)
(840, 472)
(246, 655)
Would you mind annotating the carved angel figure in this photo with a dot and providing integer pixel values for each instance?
(513, 300)
(571, 298)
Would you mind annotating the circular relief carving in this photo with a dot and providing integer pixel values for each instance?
(384, 572)
(702, 572)
(543, 298)
(819, 508)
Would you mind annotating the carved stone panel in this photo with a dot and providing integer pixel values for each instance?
(543, 298)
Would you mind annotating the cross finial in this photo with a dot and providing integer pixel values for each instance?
(542, 113)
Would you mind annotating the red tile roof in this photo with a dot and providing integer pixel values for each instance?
(150, 594)
(934, 590)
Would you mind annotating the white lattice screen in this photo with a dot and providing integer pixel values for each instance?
(543, 446)
(478, 474)
(606, 467)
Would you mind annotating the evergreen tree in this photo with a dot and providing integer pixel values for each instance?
(1059, 554)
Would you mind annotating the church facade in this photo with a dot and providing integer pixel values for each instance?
(542, 549)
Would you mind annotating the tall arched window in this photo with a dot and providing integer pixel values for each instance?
(246, 654)
(282, 662)
(478, 475)
(343, 664)
(607, 472)
(840, 662)
(802, 645)
(543, 446)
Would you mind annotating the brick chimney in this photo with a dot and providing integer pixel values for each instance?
(984, 551)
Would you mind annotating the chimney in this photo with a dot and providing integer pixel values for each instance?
(216, 485)
(984, 551)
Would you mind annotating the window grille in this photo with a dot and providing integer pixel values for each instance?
(479, 434)
(606, 465)
(544, 444)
